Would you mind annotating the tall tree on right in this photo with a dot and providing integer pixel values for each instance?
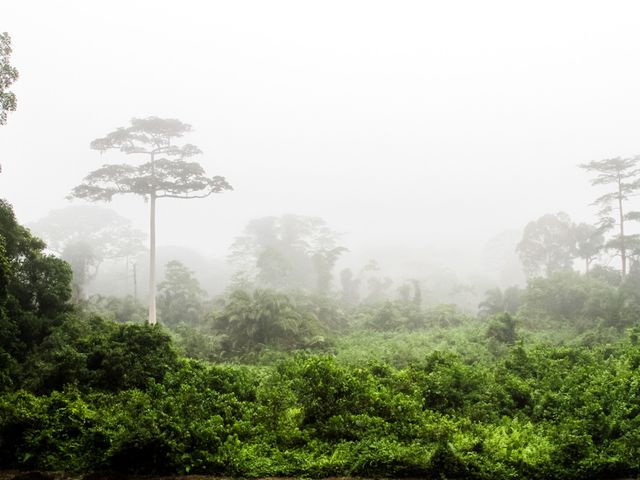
(623, 175)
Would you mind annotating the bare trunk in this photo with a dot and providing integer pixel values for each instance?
(135, 281)
(152, 261)
(152, 249)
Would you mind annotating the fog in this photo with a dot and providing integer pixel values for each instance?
(426, 128)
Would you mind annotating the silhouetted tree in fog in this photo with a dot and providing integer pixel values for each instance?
(181, 297)
(85, 236)
(166, 174)
(623, 175)
(499, 301)
(589, 242)
(287, 252)
(350, 287)
(547, 245)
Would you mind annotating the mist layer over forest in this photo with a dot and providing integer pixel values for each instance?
(416, 127)
(260, 239)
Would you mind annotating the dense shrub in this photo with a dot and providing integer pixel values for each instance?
(539, 412)
(251, 322)
(570, 298)
(95, 353)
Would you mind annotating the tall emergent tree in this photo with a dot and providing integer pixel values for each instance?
(623, 174)
(165, 174)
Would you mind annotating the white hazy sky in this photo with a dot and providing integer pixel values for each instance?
(401, 123)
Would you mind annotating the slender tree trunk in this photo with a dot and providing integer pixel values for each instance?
(152, 247)
(623, 252)
(135, 281)
(152, 260)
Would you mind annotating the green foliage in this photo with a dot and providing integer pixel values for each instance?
(608, 275)
(400, 315)
(589, 242)
(326, 391)
(288, 252)
(498, 301)
(34, 287)
(547, 245)
(265, 318)
(404, 347)
(328, 311)
(99, 354)
(198, 342)
(117, 309)
(180, 297)
(581, 301)
(502, 329)
(539, 412)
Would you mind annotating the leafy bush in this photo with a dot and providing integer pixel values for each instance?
(99, 354)
(568, 297)
(265, 318)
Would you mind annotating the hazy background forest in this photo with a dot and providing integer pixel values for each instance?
(423, 150)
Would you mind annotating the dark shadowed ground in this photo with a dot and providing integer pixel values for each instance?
(40, 475)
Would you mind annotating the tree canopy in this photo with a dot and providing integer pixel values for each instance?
(166, 175)
(85, 236)
(547, 244)
(180, 296)
(34, 287)
(111, 234)
(589, 241)
(265, 318)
